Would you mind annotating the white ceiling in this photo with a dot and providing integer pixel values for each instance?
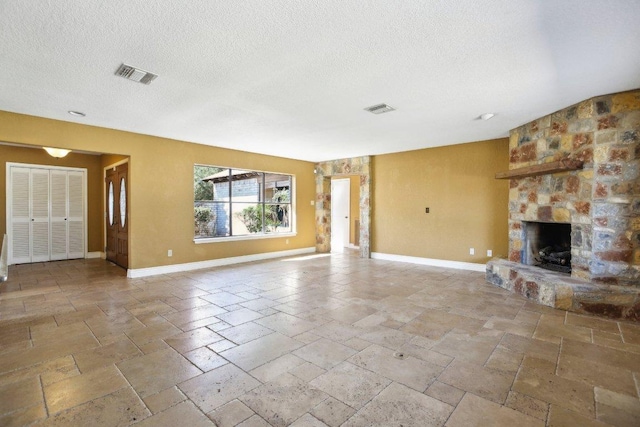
(291, 78)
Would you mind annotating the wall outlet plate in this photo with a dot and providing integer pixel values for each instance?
(489, 252)
(472, 251)
(170, 252)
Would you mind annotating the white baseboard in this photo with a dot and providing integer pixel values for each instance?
(97, 254)
(458, 265)
(176, 268)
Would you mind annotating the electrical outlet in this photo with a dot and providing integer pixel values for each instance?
(426, 210)
(472, 251)
(170, 252)
(286, 242)
(489, 252)
(313, 202)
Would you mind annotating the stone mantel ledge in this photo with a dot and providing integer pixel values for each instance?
(563, 292)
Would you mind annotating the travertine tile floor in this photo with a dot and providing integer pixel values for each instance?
(309, 341)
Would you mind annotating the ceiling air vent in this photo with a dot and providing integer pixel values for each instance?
(379, 109)
(135, 74)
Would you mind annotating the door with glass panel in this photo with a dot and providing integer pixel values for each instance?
(117, 218)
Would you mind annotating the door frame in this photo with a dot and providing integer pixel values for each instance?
(105, 207)
(9, 194)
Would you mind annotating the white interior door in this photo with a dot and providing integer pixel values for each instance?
(340, 196)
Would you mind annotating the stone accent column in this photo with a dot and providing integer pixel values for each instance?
(343, 167)
(323, 212)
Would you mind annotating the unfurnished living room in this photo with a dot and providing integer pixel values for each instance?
(320, 213)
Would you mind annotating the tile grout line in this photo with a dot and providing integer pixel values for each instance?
(44, 400)
(134, 390)
(558, 357)
(621, 334)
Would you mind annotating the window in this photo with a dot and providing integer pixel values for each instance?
(236, 202)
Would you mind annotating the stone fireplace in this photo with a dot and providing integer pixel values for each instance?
(598, 203)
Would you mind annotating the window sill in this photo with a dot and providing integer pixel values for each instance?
(240, 238)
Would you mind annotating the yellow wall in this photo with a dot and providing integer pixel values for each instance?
(468, 206)
(161, 187)
(40, 157)
(112, 159)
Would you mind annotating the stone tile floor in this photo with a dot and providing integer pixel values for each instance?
(306, 341)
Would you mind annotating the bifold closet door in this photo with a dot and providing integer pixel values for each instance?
(20, 243)
(67, 207)
(29, 215)
(75, 215)
(47, 214)
(39, 215)
(58, 215)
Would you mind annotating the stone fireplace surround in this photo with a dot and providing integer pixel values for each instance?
(601, 201)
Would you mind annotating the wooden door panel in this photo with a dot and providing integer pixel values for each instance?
(117, 217)
(110, 216)
(123, 216)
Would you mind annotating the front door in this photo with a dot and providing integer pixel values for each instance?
(117, 218)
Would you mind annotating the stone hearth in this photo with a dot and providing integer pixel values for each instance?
(600, 201)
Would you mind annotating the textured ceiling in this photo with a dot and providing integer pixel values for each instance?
(291, 78)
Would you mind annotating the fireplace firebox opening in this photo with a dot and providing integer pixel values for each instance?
(547, 245)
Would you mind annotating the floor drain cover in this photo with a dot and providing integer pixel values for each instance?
(399, 355)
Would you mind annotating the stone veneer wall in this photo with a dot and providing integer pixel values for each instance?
(601, 201)
(343, 167)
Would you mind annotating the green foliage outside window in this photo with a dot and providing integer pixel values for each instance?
(203, 190)
(202, 216)
(274, 215)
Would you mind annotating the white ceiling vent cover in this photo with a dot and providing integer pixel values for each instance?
(135, 74)
(379, 109)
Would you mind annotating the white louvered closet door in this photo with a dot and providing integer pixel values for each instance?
(39, 215)
(58, 215)
(47, 214)
(20, 243)
(75, 215)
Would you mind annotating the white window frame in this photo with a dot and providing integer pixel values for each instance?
(256, 236)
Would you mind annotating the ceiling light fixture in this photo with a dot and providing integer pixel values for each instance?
(136, 74)
(486, 116)
(58, 153)
(379, 109)
(76, 113)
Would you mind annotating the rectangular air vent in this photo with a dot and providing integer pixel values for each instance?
(380, 108)
(135, 74)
